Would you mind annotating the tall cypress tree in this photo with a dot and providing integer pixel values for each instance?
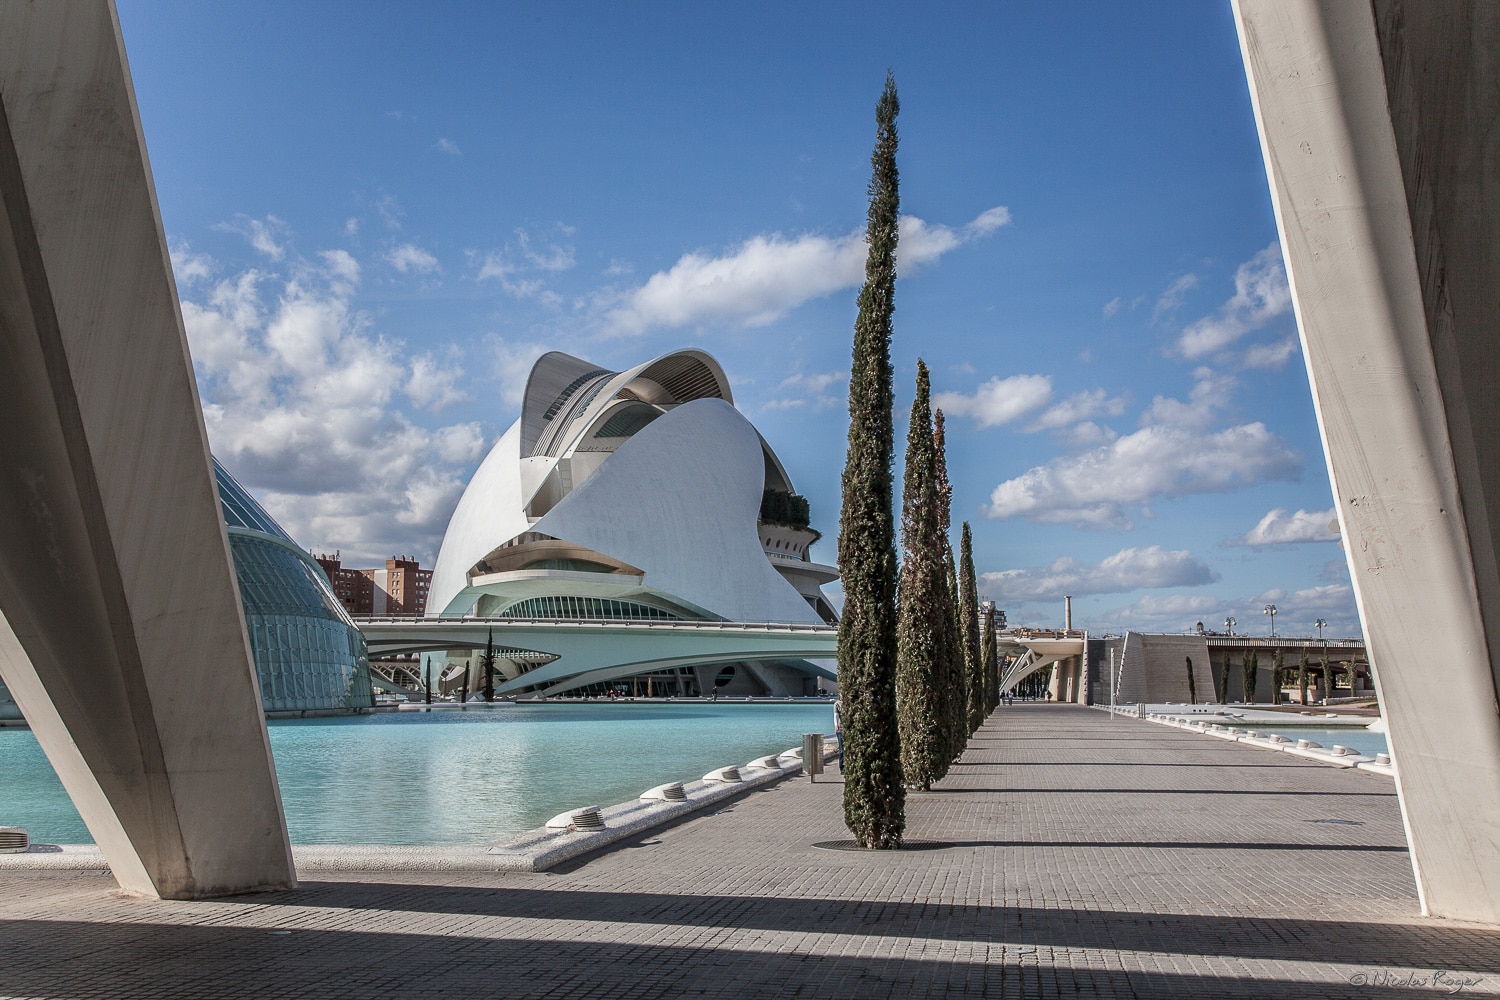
(1302, 675)
(989, 655)
(1224, 680)
(1276, 678)
(954, 683)
(1251, 670)
(920, 655)
(968, 610)
(874, 794)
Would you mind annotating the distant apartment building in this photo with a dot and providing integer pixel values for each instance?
(398, 589)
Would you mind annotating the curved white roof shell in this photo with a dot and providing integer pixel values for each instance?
(648, 479)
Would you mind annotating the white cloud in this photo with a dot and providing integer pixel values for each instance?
(262, 234)
(1157, 462)
(190, 267)
(449, 146)
(1260, 295)
(1080, 406)
(768, 276)
(520, 256)
(1169, 613)
(1272, 357)
(1112, 306)
(1172, 298)
(1210, 394)
(409, 258)
(351, 227)
(432, 386)
(1126, 570)
(807, 390)
(1280, 528)
(512, 367)
(302, 402)
(998, 401)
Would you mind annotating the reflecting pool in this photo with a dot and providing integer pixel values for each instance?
(456, 777)
(1362, 740)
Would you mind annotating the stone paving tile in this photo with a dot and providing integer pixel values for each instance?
(1092, 857)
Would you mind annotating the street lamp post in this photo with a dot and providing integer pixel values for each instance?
(1229, 624)
(1270, 609)
(1327, 681)
(1321, 625)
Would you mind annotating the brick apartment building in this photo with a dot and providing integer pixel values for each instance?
(398, 589)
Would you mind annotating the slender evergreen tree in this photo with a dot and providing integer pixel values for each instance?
(1302, 675)
(957, 669)
(957, 700)
(487, 664)
(1327, 679)
(989, 656)
(1276, 678)
(921, 667)
(874, 793)
(1250, 668)
(968, 610)
(427, 681)
(1224, 680)
(1192, 684)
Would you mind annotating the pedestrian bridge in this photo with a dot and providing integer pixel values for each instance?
(578, 653)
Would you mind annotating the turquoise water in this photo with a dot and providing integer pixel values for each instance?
(1362, 740)
(457, 777)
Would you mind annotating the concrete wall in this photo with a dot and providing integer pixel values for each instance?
(1380, 126)
(121, 636)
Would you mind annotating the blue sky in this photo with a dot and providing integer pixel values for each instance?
(380, 215)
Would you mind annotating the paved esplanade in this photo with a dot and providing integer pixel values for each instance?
(1103, 855)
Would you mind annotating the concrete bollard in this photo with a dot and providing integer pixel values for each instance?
(812, 755)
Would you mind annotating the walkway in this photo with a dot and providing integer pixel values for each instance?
(1093, 856)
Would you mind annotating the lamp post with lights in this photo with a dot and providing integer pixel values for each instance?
(1229, 624)
(1270, 609)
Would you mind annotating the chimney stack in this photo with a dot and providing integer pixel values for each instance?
(1067, 614)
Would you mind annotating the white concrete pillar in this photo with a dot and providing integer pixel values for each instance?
(1378, 122)
(121, 634)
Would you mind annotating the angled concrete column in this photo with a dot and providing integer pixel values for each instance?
(1380, 124)
(121, 635)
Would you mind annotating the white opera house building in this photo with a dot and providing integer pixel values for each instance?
(641, 495)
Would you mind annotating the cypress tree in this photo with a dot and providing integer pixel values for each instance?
(968, 609)
(957, 698)
(989, 656)
(1224, 680)
(957, 671)
(1250, 669)
(920, 657)
(1192, 685)
(1302, 675)
(427, 681)
(488, 664)
(1327, 679)
(874, 793)
(1276, 669)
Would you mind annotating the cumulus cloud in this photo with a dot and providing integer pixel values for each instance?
(449, 146)
(1271, 357)
(1209, 395)
(998, 401)
(1077, 408)
(511, 367)
(189, 267)
(1261, 294)
(1126, 570)
(433, 386)
(1163, 613)
(1094, 489)
(1280, 528)
(303, 404)
(409, 258)
(768, 276)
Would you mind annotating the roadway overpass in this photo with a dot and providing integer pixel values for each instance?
(593, 652)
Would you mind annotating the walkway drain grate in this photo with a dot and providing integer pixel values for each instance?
(910, 845)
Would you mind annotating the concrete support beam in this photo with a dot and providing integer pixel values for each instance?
(121, 634)
(1380, 125)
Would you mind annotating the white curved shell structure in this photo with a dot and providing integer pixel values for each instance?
(635, 495)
